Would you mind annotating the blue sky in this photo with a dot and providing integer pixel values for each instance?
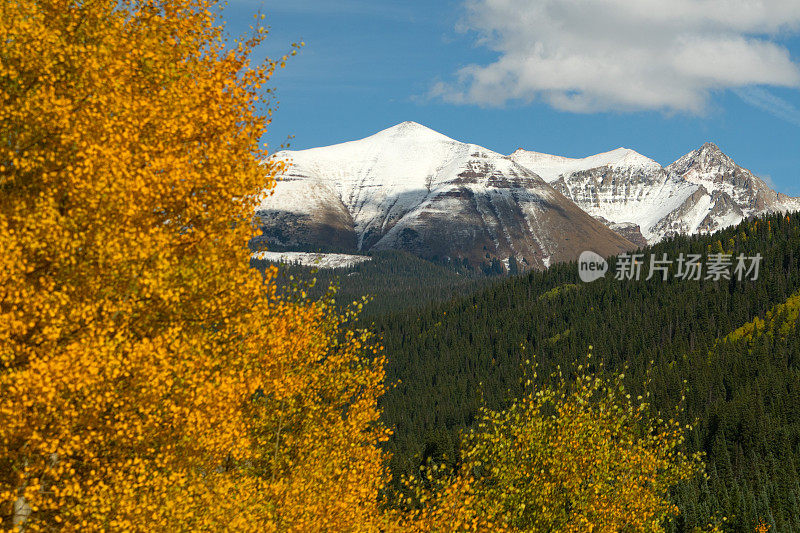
(568, 77)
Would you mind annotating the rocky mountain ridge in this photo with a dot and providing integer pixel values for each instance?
(414, 189)
(701, 192)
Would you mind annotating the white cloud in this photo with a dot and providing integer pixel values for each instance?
(597, 55)
(774, 105)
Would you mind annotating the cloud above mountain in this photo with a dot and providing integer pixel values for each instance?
(601, 55)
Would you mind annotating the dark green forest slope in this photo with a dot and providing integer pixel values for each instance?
(456, 339)
(746, 396)
(393, 280)
(742, 388)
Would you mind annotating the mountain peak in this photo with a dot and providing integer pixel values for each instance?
(413, 130)
(621, 151)
(711, 167)
(550, 167)
(709, 149)
(409, 124)
(707, 157)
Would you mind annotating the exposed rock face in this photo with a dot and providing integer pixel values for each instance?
(413, 189)
(629, 230)
(717, 173)
(702, 192)
(319, 221)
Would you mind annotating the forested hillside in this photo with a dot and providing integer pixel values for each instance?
(746, 393)
(392, 280)
(741, 383)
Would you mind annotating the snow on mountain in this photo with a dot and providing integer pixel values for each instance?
(313, 259)
(702, 192)
(551, 167)
(717, 173)
(409, 187)
(617, 187)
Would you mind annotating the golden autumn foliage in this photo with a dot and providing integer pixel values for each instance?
(573, 457)
(149, 380)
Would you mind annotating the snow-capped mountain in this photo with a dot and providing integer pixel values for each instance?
(551, 167)
(411, 188)
(616, 187)
(703, 191)
(717, 173)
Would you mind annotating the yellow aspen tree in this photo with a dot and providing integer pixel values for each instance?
(149, 380)
(571, 457)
